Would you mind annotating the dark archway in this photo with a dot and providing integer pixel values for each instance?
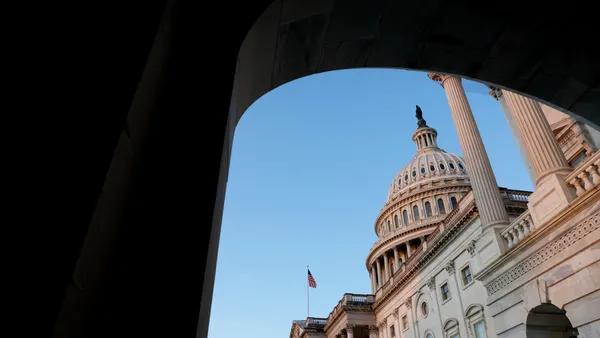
(548, 321)
(144, 201)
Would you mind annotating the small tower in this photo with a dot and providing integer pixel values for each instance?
(424, 137)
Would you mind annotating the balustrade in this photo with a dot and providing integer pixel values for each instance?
(518, 229)
(587, 176)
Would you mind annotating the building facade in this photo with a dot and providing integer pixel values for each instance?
(458, 256)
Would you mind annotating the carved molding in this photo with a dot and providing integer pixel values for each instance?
(408, 302)
(372, 329)
(438, 78)
(536, 259)
(471, 248)
(431, 283)
(450, 267)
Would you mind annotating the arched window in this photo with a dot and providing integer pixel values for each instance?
(428, 209)
(405, 217)
(453, 202)
(416, 212)
(389, 225)
(396, 223)
(451, 165)
(432, 167)
(441, 206)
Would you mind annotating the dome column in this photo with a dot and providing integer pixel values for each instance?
(408, 250)
(379, 283)
(386, 264)
(549, 163)
(396, 261)
(373, 280)
(483, 182)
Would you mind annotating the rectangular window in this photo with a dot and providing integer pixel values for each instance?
(404, 323)
(445, 291)
(466, 275)
(479, 330)
(392, 331)
(454, 336)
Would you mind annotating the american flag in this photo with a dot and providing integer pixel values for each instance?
(311, 280)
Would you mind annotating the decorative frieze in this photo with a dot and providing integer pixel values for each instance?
(563, 242)
(450, 267)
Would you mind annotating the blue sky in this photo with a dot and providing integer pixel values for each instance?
(311, 166)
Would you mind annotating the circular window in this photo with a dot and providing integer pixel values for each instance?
(424, 309)
(414, 173)
(432, 167)
(442, 166)
(460, 166)
(451, 165)
(406, 177)
(422, 170)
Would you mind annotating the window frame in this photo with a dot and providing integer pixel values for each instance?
(465, 266)
(405, 325)
(448, 294)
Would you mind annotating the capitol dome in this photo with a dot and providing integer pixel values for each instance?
(426, 188)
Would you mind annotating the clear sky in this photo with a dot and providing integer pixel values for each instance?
(311, 166)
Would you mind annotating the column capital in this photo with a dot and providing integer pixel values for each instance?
(471, 247)
(395, 313)
(431, 283)
(372, 329)
(439, 78)
(495, 92)
(349, 327)
(450, 267)
(408, 302)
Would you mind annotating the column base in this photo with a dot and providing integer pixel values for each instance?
(551, 195)
(490, 246)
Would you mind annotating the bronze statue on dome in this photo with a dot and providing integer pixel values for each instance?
(420, 121)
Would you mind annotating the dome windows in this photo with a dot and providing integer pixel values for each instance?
(451, 165)
(405, 217)
(396, 222)
(453, 202)
(442, 166)
(460, 166)
(416, 212)
(441, 207)
(428, 209)
(432, 167)
(414, 173)
(422, 170)
(406, 177)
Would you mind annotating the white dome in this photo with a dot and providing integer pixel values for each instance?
(429, 164)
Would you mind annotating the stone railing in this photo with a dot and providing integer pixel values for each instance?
(587, 176)
(515, 195)
(313, 322)
(520, 228)
(350, 299)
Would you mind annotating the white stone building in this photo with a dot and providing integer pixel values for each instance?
(458, 256)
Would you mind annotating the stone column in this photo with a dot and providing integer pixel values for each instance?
(398, 330)
(483, 182)
(497, 94)
(386, 264)
(551, 193)
(379, 282)
(373, 279)
(372, 331)
(350, 330)
(396, 261)
(408, 250)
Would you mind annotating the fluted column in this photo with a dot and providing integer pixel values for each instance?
(539, 140)
(386, 263)
(551, 194)
(483, 182)
(373, 279)
(379, 282)
(396, 260)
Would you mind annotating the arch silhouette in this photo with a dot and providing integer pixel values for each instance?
(548, 321)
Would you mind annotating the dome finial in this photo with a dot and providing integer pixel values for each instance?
(420, 121)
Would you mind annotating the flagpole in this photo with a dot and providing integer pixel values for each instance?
(307, 297)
